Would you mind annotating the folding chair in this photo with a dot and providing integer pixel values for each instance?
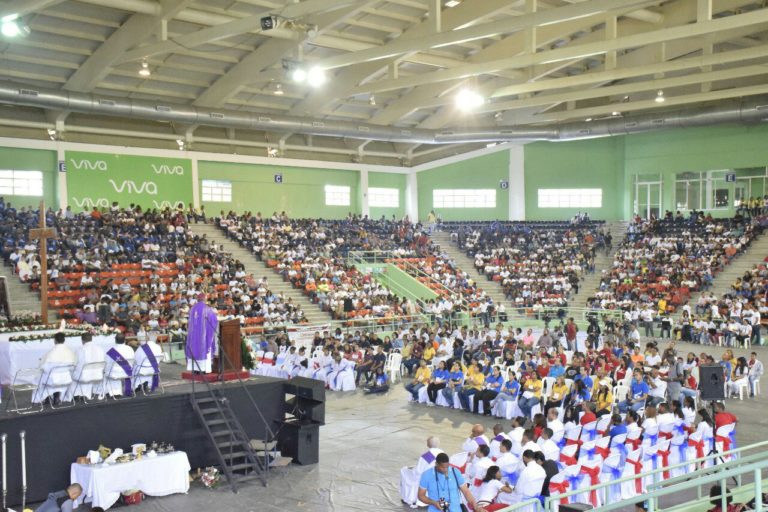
(57, 378)
(26, 379)
(90, 373)
(144, 373)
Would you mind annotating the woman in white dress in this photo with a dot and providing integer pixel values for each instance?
(488, 491)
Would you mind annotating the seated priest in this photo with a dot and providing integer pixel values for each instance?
(88, 374)
(410, 476)
(119, 369)
(146, 366)
(56, 366)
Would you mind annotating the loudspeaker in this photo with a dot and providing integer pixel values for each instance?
(712, 382)
(306, 388)
(300, 442)
(267, 23)
(348, 306)
(575, 507)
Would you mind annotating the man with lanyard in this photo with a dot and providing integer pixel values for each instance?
(639, 393)
(442, 486)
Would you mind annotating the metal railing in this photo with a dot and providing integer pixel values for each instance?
(719, 472)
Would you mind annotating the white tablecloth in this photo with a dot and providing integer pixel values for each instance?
(158, 476)
(16, 355)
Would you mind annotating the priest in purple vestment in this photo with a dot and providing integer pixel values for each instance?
(202, 333)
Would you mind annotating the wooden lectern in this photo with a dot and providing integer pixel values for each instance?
(230, 343)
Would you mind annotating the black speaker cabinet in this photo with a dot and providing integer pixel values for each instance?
(300, 441)
(575, 507)
(306, 388)
(348, 305)
(308, 400)
(712, 382)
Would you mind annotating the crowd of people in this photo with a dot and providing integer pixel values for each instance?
(616, 407)
(661, 262)
(535, 263)
(136, 269)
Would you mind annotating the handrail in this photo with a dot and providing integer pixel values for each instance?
(733, 465)
(464, 304)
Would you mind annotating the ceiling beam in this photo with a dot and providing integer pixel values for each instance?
(504, 26)
(607, 110)
(23, 7)
(266, 55)
(748, 20)
(463, 15)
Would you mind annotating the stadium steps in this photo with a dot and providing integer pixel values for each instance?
(465, 263)
(603, 261)
(757, 252)
(259, 269)
(22, 298)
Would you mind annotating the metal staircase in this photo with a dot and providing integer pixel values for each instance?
(238, 459)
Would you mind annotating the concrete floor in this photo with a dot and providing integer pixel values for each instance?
(367, 439)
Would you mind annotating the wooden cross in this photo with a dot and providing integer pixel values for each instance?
(43, 233)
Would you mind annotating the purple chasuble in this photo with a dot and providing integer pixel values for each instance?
(201, 331)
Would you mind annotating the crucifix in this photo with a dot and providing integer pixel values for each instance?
(43, 233)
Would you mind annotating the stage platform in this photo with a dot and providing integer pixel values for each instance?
(55, 438)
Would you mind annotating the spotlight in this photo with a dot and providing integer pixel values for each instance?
(316, 77)
(452, 3)
(272, 152)
(660, 97)
(144, 70)
(615, 114)
(468, 99)
(52, 133)
(372, 100)
(298, 75)
(267, 23)
(182, 144)
(279, 90)
(589, 119)
(10, 26)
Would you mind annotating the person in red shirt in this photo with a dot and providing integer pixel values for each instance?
(543, 368)
(722, 417)
(589, 414)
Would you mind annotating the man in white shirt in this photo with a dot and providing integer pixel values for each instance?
(56, 378)
(528, 443)
(476, 438)
(554, 423)
(409, 477)
(508, 463)
(498, 437)
(117, 373)
(529, 484)
(85, 379)
(476, 472)
(548, 447)
(755, 372)
(146, 366)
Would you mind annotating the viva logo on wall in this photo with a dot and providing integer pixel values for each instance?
(98, 179)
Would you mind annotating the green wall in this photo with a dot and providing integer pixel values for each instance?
(301, 194)
(388, 180)
(482, 172)
(16, 159)
(596, 163)
(98, 179)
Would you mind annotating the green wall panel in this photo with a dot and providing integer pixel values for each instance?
(596, 163)
(98, 179)
(301, 194)
(482, 172)
(388, 180)
(18, 159)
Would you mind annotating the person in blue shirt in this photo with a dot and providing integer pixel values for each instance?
(638, 393)
(492, 387)
(380, 383)
(556, 369)
(584, 376)
(439, 381)
(441, 488)
(510, 389)
(455, 380)
(618, 427)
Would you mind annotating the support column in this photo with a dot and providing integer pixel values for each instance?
(61, 177)
(365, 208)
(195, 184)
(517, 183)
(412, 197)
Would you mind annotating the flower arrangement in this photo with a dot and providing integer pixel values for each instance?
(38, 337)
(210, 477)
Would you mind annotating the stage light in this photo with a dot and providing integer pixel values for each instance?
(144, 70)
(372, 100)
(272, 152)
(660, 97)
(279, 90)
(52, 133)
(298, 75)
(452, 3)
(468, 99)
(615, 113)
(316, 77)
(10, 27)
(182, 144)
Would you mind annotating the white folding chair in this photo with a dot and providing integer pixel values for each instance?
(56, 379)
(90, 374)
(26, 379)
(144, 373)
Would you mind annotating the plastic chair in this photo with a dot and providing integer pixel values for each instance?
(144, 373)
(27, 379)
(57, 378)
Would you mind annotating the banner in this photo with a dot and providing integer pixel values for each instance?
(98, 179)
(303, 336)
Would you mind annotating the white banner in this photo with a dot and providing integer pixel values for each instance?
(303, 336)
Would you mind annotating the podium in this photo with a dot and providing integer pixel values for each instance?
(230, 345)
